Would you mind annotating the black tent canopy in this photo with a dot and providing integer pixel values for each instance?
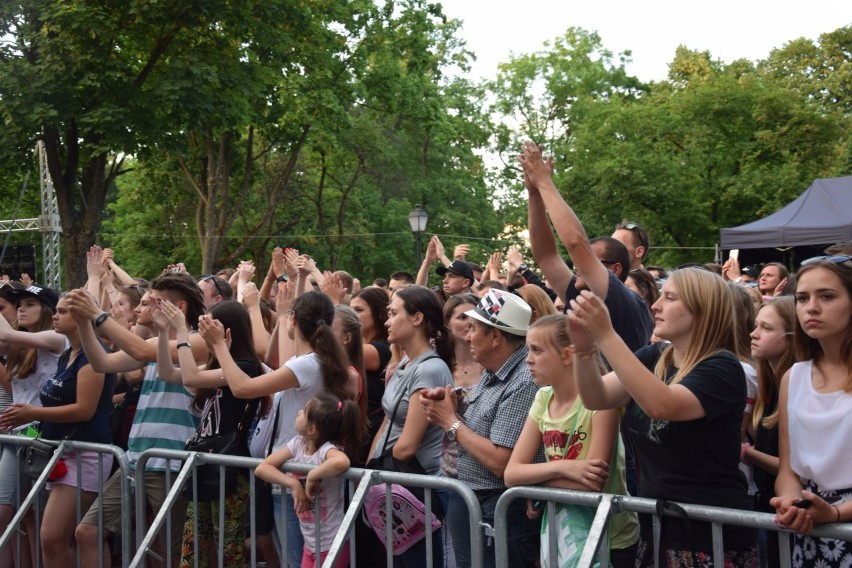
(819, 216)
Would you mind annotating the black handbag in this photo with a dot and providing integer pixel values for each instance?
(37, 454)
(207, 475)
(35, 458)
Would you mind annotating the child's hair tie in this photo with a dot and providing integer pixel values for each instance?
(339, 405)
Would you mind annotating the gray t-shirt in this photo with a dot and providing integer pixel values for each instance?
(425, 372)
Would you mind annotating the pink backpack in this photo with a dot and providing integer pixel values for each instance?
(407, 511)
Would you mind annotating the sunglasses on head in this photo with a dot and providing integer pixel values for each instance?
(215, 280)
(837, 259)
(639, 233)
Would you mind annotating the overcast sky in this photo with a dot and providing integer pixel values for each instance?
(652, 30)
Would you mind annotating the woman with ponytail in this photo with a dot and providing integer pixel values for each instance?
(319, 364)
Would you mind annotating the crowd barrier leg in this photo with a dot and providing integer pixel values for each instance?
(32, 501)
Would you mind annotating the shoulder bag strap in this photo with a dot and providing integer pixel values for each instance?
(399, 401)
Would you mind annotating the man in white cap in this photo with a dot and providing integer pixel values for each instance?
(487, 430)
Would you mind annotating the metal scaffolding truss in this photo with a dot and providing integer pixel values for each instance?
(47, 224)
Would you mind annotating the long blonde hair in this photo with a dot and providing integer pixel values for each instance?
(708, 299)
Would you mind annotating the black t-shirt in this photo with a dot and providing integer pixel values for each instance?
(376, 386)
(766, 441)
(695, 461)
(627, 311)
(223, 411)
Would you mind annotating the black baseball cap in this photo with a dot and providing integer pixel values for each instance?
(47, 296)
(459, 267)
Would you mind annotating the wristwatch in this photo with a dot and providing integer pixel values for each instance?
(282, 278)
(451, 433)
(523, 266)
(100, 319)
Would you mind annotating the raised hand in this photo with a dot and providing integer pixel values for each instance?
(332, 287)
(158, 316)
(306, 264)
(536, 169)
(514, 258)
(461, 252)
(277, 264)
(731, 269)
(211, 330)
(246, 271)
(82, 305)
(291, 259)
(439, 247)
(175, 317)
(94, 262)
(251, 296)
(589, 312)
(432, 250)
(118, 315)
(285, 298)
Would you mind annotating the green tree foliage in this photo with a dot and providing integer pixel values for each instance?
(362, 134)
(713, 147)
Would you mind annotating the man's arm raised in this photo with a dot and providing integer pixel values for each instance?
(565, 221)
(543, 243)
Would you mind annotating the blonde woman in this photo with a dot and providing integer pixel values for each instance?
(538, 300)
(684, 407)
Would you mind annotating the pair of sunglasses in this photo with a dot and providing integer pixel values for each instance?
(638, 230)
(215, 282)
(838, 259)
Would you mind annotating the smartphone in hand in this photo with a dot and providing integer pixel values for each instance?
(806, 504)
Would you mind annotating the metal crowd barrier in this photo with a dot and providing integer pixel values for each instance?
(607, 505)
(360, 480)
(33, 500)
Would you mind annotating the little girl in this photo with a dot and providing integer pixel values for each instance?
(330, 432)
(581, 447)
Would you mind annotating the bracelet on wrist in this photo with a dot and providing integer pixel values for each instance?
(588, 354)
(836, 508)
(184, 344)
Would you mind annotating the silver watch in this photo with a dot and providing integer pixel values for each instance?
(451, 433)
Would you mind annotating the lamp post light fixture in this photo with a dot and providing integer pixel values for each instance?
(417, 219)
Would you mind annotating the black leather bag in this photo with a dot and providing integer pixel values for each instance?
(207, 476)
(231, 444)
(35, 458)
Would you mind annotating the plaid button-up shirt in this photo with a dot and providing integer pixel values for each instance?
(498, 410)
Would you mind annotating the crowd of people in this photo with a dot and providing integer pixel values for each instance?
(690, 385)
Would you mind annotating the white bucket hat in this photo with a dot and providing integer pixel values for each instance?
(503, 310)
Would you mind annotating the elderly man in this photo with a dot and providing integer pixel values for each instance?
(487, 430)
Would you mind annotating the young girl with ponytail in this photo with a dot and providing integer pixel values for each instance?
(329, 434)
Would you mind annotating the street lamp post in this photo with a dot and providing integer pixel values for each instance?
(417, 219)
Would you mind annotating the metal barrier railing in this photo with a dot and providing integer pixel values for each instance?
(360, 480)
(34, 496)
(608, 504)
